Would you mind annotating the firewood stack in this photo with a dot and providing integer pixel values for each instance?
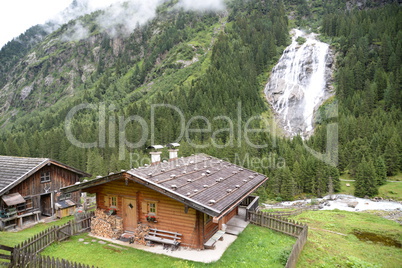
(106, 226)
(140, 232)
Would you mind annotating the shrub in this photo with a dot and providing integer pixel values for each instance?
(283, 257)
(301, 40)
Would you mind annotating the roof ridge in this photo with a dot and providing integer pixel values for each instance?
(27, 157)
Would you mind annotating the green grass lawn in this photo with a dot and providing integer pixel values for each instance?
(255, 247)
(391, 190)
(397, 177)
(14, 238)
(345, 189)
(326, 249)
(279, 209)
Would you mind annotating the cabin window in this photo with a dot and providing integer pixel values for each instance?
(113, 201)
(45, 176)
(152, 208)
(149, 207)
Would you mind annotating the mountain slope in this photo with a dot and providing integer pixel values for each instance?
(168, 60)
(95, 98)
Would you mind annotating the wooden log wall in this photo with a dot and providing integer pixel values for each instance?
(210, 229)
(171, 215)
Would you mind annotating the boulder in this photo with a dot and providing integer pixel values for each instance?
(352, 204)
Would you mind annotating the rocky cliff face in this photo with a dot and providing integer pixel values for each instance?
(64, 65)
(300, 83)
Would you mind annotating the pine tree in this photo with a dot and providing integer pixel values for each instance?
(381, 171)
(12, 147)
(297, 174)
(365, 179)
(25, 149)
(95, 164)
(392, 155)
(288, 184)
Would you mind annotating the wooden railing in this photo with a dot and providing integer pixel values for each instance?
(252, 206)
(286, 226)
(247, 201)
(28, 250)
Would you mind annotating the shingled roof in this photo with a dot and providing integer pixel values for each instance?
(13, 169)
(200, 181)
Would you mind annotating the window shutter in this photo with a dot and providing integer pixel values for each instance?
(106, 200)
(144, 207)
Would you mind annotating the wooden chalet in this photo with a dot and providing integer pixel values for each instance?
(30, 189)
(193, 196)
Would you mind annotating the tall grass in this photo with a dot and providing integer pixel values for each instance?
(328, 249)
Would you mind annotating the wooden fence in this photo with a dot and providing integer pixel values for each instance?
(5, 258)
(35, 261)
(277, 223)
(297, 248)
(27, 252)
(286, 226)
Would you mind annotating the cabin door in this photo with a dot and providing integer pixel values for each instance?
(129, 214)
(46, 204)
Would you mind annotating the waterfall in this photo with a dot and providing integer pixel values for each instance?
(300, 83)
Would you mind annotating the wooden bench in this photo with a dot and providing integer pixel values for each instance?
(164, 237)
(210, 244)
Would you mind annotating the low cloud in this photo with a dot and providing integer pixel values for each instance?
(204, 5)
(120, 17)
(75, 33)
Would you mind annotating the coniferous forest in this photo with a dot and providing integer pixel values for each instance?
(212, 67)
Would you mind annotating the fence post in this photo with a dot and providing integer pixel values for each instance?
(71, 227)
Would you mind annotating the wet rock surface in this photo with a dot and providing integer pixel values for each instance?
(386, 208)
(300, 83)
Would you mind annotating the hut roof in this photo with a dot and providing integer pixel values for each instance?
(13, 169)
(205, 183)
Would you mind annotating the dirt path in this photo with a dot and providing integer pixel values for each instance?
(327, 231)
(355, 180)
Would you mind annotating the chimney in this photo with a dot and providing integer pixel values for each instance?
(172, 150)
(155, 156)
(173, 154)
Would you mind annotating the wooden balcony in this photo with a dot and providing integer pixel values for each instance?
(12, 217)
